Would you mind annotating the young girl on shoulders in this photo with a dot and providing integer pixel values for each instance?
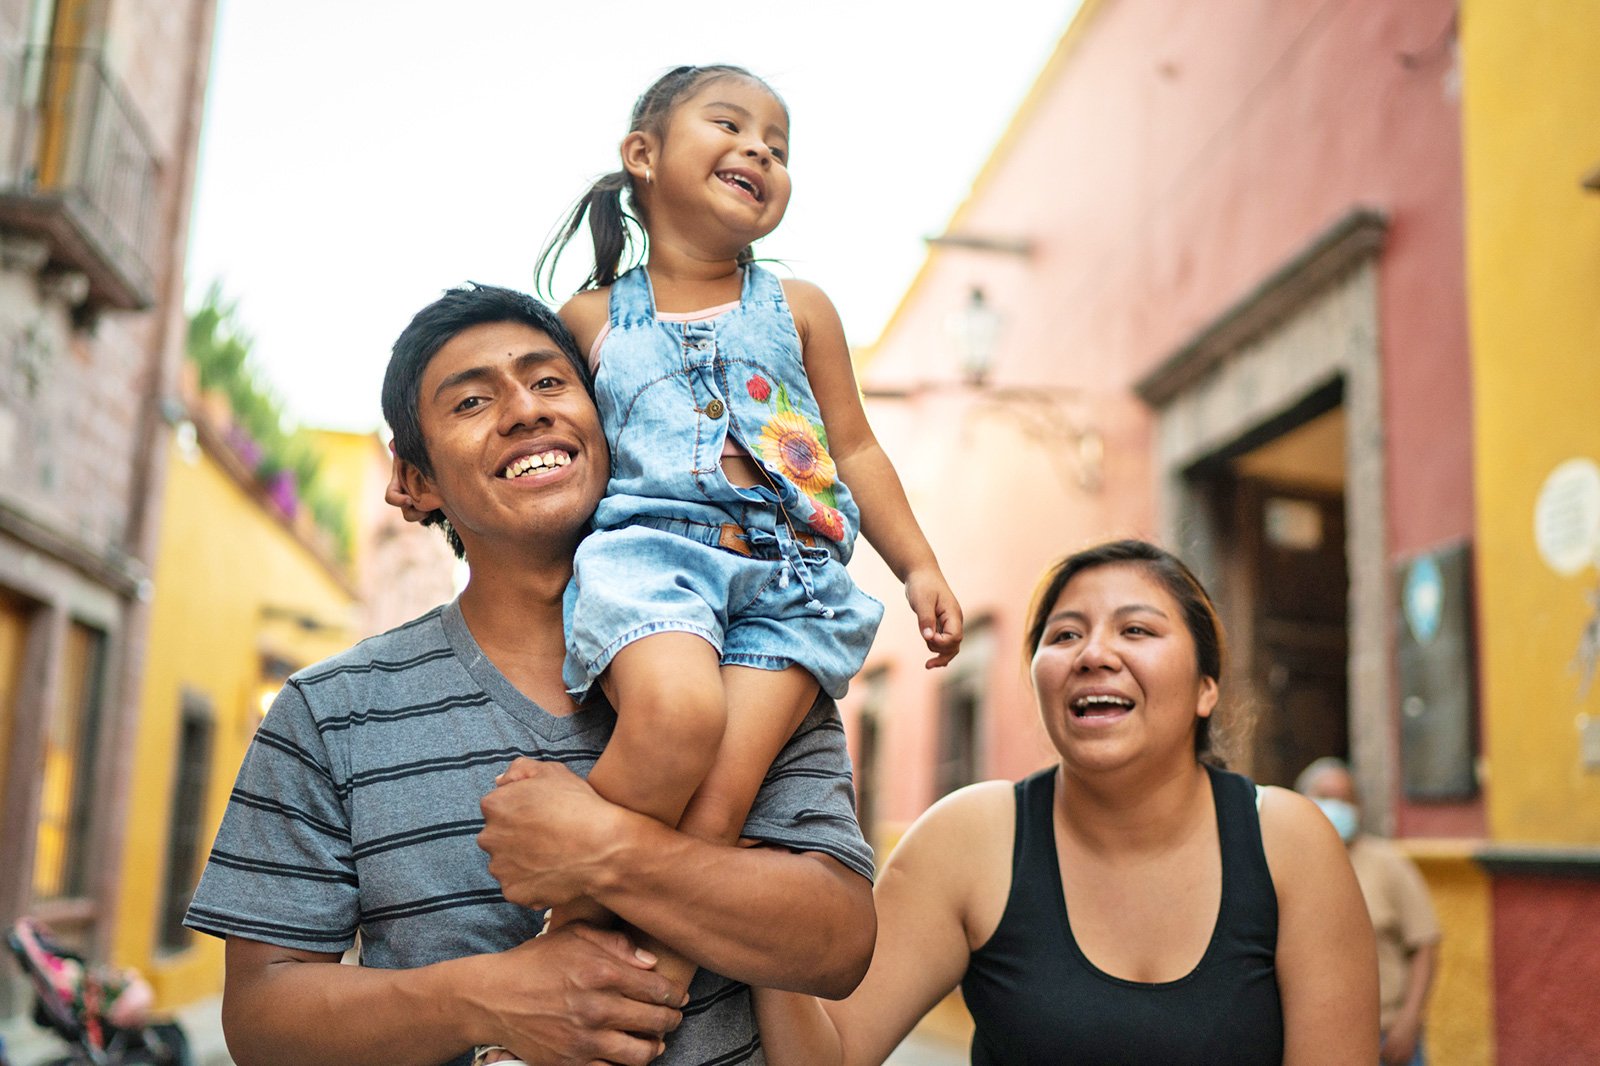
(711, 602)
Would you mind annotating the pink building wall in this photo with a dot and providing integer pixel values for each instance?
(1170, 158)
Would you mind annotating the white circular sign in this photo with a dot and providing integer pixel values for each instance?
(1566, 518)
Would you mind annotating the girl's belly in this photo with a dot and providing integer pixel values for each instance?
(741, 471)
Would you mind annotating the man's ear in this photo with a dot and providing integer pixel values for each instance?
(639, 151)
(410, 490)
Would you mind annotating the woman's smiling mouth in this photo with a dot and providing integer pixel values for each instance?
(1097, 705)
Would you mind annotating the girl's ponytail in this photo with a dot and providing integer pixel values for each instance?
(612, 229)
(619, 235)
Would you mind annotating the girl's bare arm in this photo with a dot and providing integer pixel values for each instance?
(886, 518)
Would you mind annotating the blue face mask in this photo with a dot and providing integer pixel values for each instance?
(1344, 816)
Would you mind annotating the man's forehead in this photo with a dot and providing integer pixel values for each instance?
(484, 349)
(493, 342)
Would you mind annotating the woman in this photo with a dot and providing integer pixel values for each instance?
(1132, 903)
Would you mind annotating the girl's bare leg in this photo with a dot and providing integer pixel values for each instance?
(764, 709)
(667, 691)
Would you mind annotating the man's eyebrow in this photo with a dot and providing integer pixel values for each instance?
(521, 364)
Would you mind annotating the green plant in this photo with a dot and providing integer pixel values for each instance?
(220, 348)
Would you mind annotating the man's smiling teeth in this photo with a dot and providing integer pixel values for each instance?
(742, 182)
(533, 464)
(1098, 703)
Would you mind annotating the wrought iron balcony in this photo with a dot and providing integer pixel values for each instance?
(80, 174)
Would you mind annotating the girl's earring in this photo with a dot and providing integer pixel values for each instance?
(649, 177)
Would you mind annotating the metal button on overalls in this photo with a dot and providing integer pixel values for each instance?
(714, 409)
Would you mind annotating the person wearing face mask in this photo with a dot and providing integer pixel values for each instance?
(1402, 912)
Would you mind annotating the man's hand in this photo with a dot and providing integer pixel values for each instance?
(938, 614)
(545, 831)
(1400, 1042)
(580, 994)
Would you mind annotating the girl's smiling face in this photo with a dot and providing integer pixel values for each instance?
(721, 163)
(1115, 671)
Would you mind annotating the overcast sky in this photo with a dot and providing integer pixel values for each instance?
(359, 156)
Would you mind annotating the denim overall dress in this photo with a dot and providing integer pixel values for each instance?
(757, 572)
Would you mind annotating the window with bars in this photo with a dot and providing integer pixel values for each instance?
(61, 865)
(868, 723)
(961, 700)
(185, 827)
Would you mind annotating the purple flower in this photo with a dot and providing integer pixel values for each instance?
(281, 490)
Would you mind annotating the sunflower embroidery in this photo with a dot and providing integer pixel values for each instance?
(792, 445)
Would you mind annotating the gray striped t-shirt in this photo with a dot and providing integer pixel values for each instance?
(357, 808)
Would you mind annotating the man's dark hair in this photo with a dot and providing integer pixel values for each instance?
(435, 326)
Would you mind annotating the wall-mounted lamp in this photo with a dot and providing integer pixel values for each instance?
(1052, 416)
(976, 328)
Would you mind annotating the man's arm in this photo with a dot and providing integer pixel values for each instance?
(762, 915)
(1400, 1042)
(578, 994)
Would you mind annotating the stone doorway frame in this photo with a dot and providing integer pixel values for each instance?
(1309, 329)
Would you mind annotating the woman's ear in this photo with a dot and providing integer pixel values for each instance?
(639, 152)
(1208, 697)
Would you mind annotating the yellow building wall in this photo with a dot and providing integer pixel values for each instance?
(1460, 1021)
(1531, 132)
(222, 560)
(349, 462)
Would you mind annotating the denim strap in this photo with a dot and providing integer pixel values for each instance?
(632, 302)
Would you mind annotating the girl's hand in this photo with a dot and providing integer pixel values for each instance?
(938, 614)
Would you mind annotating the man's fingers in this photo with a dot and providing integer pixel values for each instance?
(614, 942)
(642, 1018)
(520, 770)
(624, 1049)
(523, 767)
(640, 984)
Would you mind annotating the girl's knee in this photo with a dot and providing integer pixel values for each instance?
(677, 715)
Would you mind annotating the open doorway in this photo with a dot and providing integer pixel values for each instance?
(1278, 515)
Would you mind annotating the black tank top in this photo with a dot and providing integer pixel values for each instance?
(1037, 999)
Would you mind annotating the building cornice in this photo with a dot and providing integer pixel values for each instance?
(1341, 247)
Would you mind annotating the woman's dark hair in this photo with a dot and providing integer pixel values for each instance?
(618, 232)
(433, 327)
(1199, 613)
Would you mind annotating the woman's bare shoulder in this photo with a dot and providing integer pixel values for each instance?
(959, 853)
(961, 833)
(1298, 838)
